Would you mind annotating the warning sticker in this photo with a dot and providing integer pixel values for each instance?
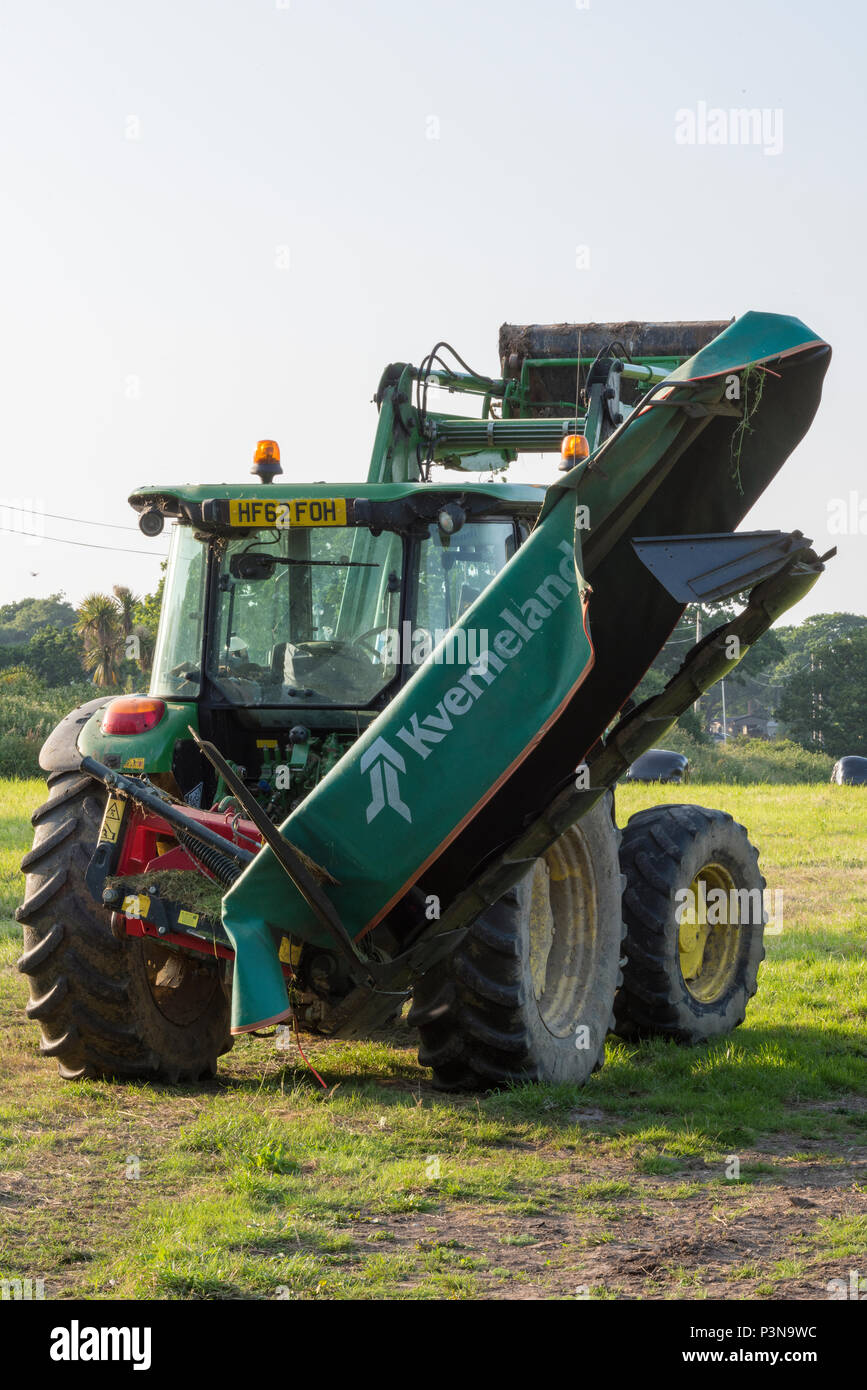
(188, 919)
(136, 905)
(111, 821)
(289, 952)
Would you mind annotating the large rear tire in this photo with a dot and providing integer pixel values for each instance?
(686, 978)
(528, 994)
(107, 1007)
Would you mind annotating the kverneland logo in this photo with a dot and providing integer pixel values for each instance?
(384, 764)
(421, 734)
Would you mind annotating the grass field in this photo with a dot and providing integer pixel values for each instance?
(261, 1185)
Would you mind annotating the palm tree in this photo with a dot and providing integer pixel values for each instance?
(126, 603)
(146, 643)
(99, 625)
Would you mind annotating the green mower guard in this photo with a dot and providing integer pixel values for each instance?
(456, 778)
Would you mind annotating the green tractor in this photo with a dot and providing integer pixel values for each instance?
(385, 721)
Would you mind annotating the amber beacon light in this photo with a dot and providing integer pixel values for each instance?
(266, 460)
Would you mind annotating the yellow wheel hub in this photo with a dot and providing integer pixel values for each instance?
(564, 931)
(708, 933)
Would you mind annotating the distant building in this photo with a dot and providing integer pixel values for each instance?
(745, 726)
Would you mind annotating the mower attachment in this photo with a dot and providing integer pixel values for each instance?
(466, 756)
(707, 569)
(422, 771)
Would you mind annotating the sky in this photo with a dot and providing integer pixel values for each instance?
(221, 219)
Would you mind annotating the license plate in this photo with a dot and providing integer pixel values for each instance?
(296, 511)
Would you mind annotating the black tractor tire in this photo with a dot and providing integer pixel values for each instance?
(107, 1007)
(684, 980)
(528, 994)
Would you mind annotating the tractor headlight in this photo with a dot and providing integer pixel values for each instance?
(151, 522)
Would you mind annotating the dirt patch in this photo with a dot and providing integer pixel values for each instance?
(595, 1226)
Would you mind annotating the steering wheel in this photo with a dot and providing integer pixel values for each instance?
(361, 640)
(180, 676)
(247, 670)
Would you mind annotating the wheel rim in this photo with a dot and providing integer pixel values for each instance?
(708, 949)
(181, 988)
(563, 930)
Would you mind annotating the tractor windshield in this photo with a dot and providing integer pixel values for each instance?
(300, 616)
(178, 651)
(317, 615)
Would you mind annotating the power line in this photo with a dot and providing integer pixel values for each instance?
(783, 679)
(55, 516)
(88, 545)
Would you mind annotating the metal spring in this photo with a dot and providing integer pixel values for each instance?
(224, 869)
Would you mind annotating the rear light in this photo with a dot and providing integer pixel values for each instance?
(132, 714)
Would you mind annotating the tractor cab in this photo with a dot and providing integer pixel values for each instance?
(292, 617)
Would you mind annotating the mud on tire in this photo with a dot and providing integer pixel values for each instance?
(537, 967)
(682, 980)
(107, 1007)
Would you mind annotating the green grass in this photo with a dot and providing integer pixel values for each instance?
(746, 762)
(843, 1235)
(261, 1185)
(17, 800)
(29, 711)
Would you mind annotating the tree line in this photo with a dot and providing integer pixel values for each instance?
(811, 677)
(108, 639)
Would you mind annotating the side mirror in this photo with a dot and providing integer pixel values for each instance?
(251, 566)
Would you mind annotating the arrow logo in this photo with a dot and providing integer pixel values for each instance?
(384, 764)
